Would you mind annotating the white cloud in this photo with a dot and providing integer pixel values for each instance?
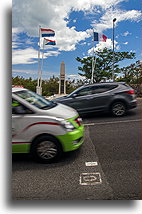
(15, 45)
(125, 43)
(126, 33)
(45, 75)
(15, 31)
(84, 43)
(24, 71)
(102, 45)
(51, 53)
(15, 37)
(107, 23)
(24, 56)
(74, 76)
(66, 41)
(52, 14)
(29, 55)
(28, 15)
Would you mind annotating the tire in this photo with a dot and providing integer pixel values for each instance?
(118, 109)
(46, 149)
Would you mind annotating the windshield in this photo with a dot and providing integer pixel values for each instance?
(35, 99)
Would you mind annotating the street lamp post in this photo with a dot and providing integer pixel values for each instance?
(114, 20)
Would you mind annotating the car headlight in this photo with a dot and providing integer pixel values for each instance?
(67, 125)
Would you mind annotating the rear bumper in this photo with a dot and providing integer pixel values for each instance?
(132, 104)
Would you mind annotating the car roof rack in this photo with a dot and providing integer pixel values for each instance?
(103, 83)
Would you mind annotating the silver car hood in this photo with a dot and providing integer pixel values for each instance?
(62, 111)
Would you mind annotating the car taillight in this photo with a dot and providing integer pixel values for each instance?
(130, 92)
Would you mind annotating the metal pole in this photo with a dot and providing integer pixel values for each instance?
(113, 51)
(42, 63)
(38, 62)
(41, 66)
(92, 78)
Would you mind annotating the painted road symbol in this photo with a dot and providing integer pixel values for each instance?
(91, 163)
(90, 178)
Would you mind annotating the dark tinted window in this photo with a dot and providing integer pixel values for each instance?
(102, 88)
(84, 91)
(95, 89)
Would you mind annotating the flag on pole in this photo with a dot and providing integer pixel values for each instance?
(99, 37)
(96, 36)
(49, 42)
(103, 38)
(47, 32)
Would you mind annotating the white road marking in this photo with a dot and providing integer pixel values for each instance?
(109, 122)
(90, 178)
(91, 163)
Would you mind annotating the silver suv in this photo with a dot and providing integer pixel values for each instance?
(114, 97)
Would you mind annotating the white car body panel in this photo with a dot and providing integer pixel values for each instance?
(26, 127)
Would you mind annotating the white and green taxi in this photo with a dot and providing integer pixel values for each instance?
(42, 127)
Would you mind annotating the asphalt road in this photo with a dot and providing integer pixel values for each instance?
(107, 166)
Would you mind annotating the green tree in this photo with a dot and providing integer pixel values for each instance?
(49, 87)
(103, 65)
(27, 83)
(132, 75)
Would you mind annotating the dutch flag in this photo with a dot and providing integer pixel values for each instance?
(47, 32)
(49, 42)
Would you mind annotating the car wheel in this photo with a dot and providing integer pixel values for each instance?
(118, 109)
(46, 149)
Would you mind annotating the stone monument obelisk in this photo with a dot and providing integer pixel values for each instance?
(62, 82)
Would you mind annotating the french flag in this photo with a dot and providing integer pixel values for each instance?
(96, 36)
(49, 42)
(99, 37)
(103, 38)
(47, 32)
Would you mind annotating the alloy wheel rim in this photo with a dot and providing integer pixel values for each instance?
(47, 150)
(118, 109)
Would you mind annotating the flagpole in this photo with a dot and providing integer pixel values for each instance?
(94, 65)
(38, 62)
(93, 42)
(42, 65)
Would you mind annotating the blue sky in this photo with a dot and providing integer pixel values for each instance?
(72, 22)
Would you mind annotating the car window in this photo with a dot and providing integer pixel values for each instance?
(18, 108)
(102, 88)
(84, 91)
(35, 99)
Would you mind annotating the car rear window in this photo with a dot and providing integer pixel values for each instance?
(102, 88)
(125, 84)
